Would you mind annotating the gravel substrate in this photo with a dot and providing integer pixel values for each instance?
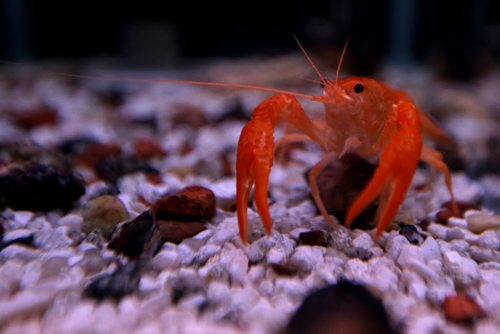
(92, 241)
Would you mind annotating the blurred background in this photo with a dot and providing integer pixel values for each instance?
(459, 38)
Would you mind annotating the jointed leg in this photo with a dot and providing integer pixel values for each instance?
(313, 184)
(435, 159)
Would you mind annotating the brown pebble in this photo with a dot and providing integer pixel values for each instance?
(103, 214)
(190, 116)
(138, 238)
(462, 309)
(175, 231)
(341, 182)
(192, 203)
(94, 153)
(41, 115)
(314, 238)
(445, 212)
(145, 148)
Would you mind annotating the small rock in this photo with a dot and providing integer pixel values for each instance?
(438, 231)
(394, 245)
(189, 204)
(145, 148)
(490, 240)
(25, 304)
(464, 271)
(446, 212)
(462, 309)
(479, 222)
(430, 249)
(411, 233)
(123, 281)
(455, 233)
(19, 252)
(177, 231)
(341, 308)
(42, 115)
(103, 214)
(409, 254)
(314, 238)
(186, 283)
(165, 259)
(38, 187)
(306, 258)
(21, 236)
(341, 182)
(139, 237)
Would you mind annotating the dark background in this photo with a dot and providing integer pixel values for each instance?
(459, 38)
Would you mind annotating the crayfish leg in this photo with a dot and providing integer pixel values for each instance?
(435, 159)
(397, 166)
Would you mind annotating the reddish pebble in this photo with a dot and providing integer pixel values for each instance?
(462, 309)
(314, 238)
(35, 117)
(145, 148)
(445, 212)
(175, 231)
(189, 204)
(93, 154)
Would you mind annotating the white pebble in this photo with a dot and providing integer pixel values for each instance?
(19, 252)
(438, 231)
(409, 254)
(363, 241)
(394, 245)
(455, 233)
(384, 274)
(165, 259)
(236, 263)
(415, 284)
(464, 271)
(478, 222)
(25, 304)
(306, 258)
(218, 292)
(490, 240)
(73, 221)
(430, 249)
(357, 270)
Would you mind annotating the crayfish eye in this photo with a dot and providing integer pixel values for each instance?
(359, 88)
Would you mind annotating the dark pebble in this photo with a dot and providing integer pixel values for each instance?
(192, 203)
(111, 168)
(314, 238)
(41, 115)
(445, 212)
(185, 285)
(39, 187)
(411, 233)
(76, 145)
(187, 115)
(139, 237)
(91, 154)
(462, 309)
(176, 231)
(345, 308)
(28, 240)
(123, 281)
(341, 182)
(145, 148)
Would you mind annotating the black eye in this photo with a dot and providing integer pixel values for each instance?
(359, 88)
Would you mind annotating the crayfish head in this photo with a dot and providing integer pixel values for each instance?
(357, 107)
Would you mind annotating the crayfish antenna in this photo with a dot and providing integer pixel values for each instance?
(309, 60)
(341, 60)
